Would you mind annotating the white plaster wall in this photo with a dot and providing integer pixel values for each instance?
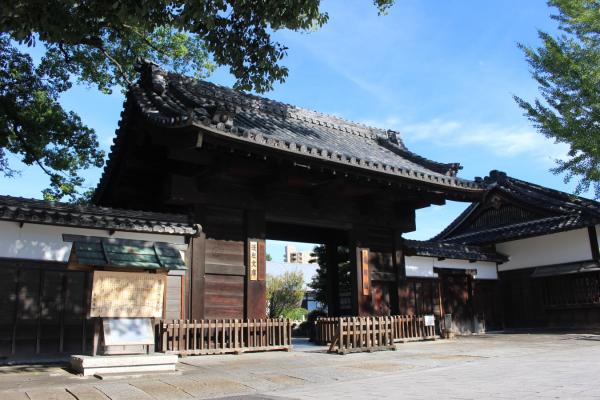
(44, 242)
(551, 249)
(422, 267)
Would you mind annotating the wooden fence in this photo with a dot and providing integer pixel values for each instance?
(402, 328)
(412, 327)
(356, 334)
(193, 337)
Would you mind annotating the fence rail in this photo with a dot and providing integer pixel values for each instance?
(403, 327)
(201, 337)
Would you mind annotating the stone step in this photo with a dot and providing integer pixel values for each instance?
(123, 364)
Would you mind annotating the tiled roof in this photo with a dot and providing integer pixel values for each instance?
(543, 226)
(559, 211)
(540, 196)
(55, 213)
(453, 251)
(171, 100)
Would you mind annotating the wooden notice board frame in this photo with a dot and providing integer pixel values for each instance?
(127, 294)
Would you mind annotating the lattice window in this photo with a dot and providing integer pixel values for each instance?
(575, 290)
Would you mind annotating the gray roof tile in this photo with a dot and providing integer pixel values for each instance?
(452, 251)
(56, 213)
(172, 100)
(560, 212)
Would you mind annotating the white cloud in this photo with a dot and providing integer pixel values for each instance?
(501, 141)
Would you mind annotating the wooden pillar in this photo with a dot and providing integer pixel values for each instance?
(360, 301)
(471, 300)
(399, 269)
(333, 279)
(256, 266)
(594, 243)
(196, 276)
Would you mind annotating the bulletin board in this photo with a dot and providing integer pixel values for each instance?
(127, 295)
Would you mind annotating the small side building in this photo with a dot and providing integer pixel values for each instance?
(552, 275)
(456, 279)
(47, 251)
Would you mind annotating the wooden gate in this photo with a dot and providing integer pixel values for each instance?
(457, 298)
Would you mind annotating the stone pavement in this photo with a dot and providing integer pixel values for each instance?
(503, 366)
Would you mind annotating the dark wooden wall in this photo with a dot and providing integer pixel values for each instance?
(43, 309)
(453, 294)
(220, 281)
(385, 269)
(564, 301)
(419, 296)
(487, 303)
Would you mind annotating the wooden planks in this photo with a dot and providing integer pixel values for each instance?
(224, 279)
(173, 304)
(223, 296)
(224, 252)
(221, 336)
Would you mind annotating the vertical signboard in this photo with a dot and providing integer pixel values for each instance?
(364, 259)
(253, 262)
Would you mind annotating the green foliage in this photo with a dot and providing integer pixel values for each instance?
(34, 126)
(268, 257)
(296, 314)
(567, 69)
(319, 281)
(284, 293)
(98, 43)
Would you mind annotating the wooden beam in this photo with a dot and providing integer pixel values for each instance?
(594, 243)
(333, 280)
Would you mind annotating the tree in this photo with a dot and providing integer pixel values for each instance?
(319, 281)
(35, 126)
(285, 293)
(268, 257)
(567, 69)
(98, 43)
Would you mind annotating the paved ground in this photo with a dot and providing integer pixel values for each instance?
(510, 366)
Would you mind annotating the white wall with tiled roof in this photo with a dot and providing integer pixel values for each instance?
(45, 242)
(538, 251)
(422, 267)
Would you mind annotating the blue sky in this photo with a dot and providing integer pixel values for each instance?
(441, 73)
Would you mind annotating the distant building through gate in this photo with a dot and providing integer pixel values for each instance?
(292, 255)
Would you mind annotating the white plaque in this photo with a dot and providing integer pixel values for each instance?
(429, 320)
(127, 331)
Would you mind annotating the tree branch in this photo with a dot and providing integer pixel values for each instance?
(116, 64)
